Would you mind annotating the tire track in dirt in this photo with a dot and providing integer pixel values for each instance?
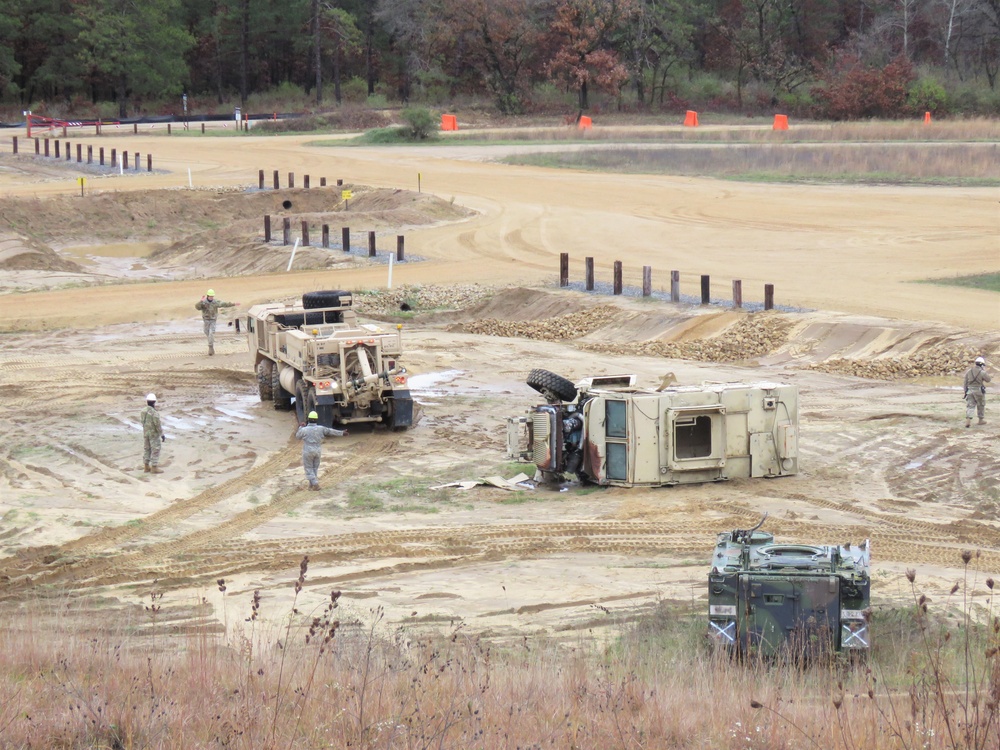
(57, 566)
(39, 561)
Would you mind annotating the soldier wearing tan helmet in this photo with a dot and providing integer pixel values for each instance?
(209, 307)
(976, 379)
(311, 434)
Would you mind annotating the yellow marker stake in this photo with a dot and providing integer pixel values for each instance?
(81, 181)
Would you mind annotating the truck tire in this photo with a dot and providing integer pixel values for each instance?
(264, 374)
(553, 387)
(300, 402)
(328, 298)
(282, 399)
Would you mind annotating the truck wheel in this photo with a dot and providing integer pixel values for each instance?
(328, 298)
(264, 368)
(300, 402)
(282, 399)
(553, 387)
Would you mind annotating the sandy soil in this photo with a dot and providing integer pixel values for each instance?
(889, 461)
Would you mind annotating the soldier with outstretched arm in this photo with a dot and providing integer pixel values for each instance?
(209, 307)
(311, 434)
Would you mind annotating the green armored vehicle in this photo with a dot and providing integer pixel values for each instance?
(802, 601)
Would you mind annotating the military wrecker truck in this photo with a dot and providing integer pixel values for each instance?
(801, 601)
(318, 356)
(607, 431)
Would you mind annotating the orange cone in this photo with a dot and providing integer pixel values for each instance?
(780, 122)
(927, 118)
(691, 119)
(584, 123)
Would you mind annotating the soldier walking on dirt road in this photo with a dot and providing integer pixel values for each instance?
(311, 435)
(976, 379)
(209, 307)
(152, 436)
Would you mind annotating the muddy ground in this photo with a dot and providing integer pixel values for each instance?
(886, 459)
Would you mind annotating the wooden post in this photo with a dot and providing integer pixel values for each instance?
(260, 179)
(647, 281)
(203, 128)
(675, 286)
(36, 147)
(124, 159)
(305, 233)
(15, 144)
(737, 293)
(114, 157)
(371, 244)
(768, 296)
(705, 290)
(326, 235)
(149, 162)
(305, 182)
(135, 128)
(135, 162)
(168, 128)
(100, 158)
(276, 181)
(46, 146)
(322, 182)
(90, 154)
(267, 228)
(64, 131)
(69, 150)
(57, 150)
(339, 183)
(400, 255)
(286, 231)
(79, 153)
(618, 277)
(291, 179)
(563, 269)
(588, 265)
(345, 238)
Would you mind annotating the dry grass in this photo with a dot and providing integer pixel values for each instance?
(330, 678)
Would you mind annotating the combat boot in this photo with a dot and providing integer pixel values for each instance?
(145, 468)
(968, 422)
(981, 421)
(155, 470)
(211, 350)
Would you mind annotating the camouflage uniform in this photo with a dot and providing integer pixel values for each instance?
(312, 436)
(152, 436)
(976, 379)
(209, 315)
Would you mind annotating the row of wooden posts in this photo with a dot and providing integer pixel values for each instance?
(276, 180)
(345, 237)
(647, 283)
(48, 151)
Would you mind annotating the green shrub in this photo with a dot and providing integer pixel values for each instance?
(420, 122)
(927, 95)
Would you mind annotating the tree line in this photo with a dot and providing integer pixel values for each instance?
(842, 58)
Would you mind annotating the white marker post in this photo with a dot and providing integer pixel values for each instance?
(190, 183)
(294, 248)
(389, 285)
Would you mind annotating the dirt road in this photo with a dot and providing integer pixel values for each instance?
(889, 461)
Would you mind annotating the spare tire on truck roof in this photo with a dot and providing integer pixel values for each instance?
(327, 298)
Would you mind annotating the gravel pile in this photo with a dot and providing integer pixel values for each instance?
(563, 327)
(939, 360)
(420, 298)
(749, 338)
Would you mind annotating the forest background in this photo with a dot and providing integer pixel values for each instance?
(829, 59)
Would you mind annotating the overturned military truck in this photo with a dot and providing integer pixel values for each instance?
(607, 431)
(801, 601)
(319, 357)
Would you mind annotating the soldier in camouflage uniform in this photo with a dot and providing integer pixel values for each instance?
(152, 436)
(976, 379)
(311, 435)
(209, 307)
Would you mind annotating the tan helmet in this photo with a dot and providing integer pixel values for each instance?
(151, 397)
